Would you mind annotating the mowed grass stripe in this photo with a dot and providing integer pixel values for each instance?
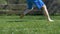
(29, 25)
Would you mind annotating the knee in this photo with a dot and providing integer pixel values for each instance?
(30, 9)
(44, 6)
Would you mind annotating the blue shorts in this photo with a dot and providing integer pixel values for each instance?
(37, 3)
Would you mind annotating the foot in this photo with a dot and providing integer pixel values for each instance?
(21, 16)
(51, 20)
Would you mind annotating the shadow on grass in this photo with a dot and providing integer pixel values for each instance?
(17, 21)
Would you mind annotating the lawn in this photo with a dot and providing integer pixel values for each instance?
(29, 25)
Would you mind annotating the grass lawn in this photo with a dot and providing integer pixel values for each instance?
(29, 25)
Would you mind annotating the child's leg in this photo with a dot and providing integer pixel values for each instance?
(29, 8)
(25, 12)
(46, 13)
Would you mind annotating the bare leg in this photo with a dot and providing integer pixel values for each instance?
(25, 12)
(46, 13)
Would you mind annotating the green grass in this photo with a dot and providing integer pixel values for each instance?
(29, 25)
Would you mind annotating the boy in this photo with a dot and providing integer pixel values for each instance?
(39, 4)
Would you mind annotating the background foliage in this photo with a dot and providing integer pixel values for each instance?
(16, 6)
